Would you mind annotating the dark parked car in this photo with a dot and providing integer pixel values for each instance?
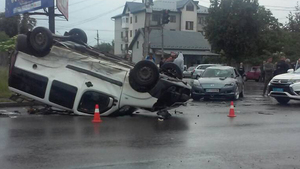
(218, 81)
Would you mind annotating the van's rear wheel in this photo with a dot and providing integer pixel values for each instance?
(171, 69)
(282, 100)
(41, 40)
(144, 76)
(78, 34)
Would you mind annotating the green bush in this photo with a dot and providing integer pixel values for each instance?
(4, 92)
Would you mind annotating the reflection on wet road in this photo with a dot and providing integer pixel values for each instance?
(263, 135)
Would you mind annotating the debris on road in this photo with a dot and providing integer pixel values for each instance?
(265, 113)
(6, 113)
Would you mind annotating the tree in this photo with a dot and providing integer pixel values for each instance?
(104, 47)
(10, 25)
(236, 26)
(293, 24)
(3, 36)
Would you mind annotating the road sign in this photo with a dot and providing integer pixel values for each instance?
(14, 7)
(63, 7)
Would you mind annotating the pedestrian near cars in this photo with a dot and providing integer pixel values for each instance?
(150, 57)
(262, 70)
(179, 61)
(288, 62)
(269, 69)
(297, 64)
(281, 67)
(241, 69)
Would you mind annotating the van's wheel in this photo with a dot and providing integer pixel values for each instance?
(282, 100)
(171, 69)
(78, 34)
(144, 76)
(41, 40)
(23, 44)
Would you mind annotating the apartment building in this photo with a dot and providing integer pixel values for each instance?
(185, 15)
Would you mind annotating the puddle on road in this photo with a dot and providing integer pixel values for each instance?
(10, 114)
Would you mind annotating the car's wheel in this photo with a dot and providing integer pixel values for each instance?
(78, 34)
(171, 69)
(144, 76)
(23, 45)
(236, 94)
(196, 98)
(282, 100)
(41, 40)
(257, 80)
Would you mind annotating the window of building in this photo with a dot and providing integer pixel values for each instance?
(135, 31)
(135, 18)
(189, 25)
(121, 34)
(130, 19)
(121, 46)
(126, 46)
(172, 18)
(190, 7)
(130, 33)
(201, 20)
(126, 34)
(126, 20)
(172, 30)
(137, 44)
(156, 17)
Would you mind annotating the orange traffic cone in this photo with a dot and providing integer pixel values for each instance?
(97, 118)
(231, 111)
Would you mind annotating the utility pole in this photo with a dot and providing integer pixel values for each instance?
(51, 12)
(148, 3)
(162, 41)
(97, 39)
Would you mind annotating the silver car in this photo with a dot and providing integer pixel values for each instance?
(218, 81)
(200, 69)
(188, 73)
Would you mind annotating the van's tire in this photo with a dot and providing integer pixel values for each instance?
(282, 100)
(78, 34)
(41, 40)
(171, 69)
(144, 76)
(22, 44)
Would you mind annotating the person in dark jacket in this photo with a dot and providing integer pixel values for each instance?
(281, 67)
(241, 69)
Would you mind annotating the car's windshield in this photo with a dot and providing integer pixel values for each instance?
(204, 66)
(297, 71)
(191, 68)
(217, 73)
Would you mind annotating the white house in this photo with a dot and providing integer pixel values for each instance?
(185, 15)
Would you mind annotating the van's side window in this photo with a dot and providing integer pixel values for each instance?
(90, 98)
(62, 94)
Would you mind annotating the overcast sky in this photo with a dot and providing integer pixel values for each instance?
(92, 15)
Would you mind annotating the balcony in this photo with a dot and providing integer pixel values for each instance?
(125, 22)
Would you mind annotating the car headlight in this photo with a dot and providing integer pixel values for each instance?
(230, 84)
(295, 80)
(196, 83)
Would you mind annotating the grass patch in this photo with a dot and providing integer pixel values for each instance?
(4, 92)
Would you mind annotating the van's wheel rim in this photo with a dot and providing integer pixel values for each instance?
(40, 39)
(145, 73)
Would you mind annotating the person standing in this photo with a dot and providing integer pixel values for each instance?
(281, 67)
(262, 70)
(179, 61)
(150, 57)
(241, 69)
(269, 69)
(288, 62)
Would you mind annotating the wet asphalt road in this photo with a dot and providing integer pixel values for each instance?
(200, 135)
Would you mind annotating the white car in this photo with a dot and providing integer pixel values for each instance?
(64, 72)
(200, 69)
(285, 87)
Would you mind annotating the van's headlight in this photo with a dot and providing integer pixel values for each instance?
(196, 83)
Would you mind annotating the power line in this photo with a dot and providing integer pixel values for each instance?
(87, 6)
(78, 2)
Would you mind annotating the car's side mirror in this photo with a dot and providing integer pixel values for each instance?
(290, 71)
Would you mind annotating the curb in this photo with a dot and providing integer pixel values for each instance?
(14, 104)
